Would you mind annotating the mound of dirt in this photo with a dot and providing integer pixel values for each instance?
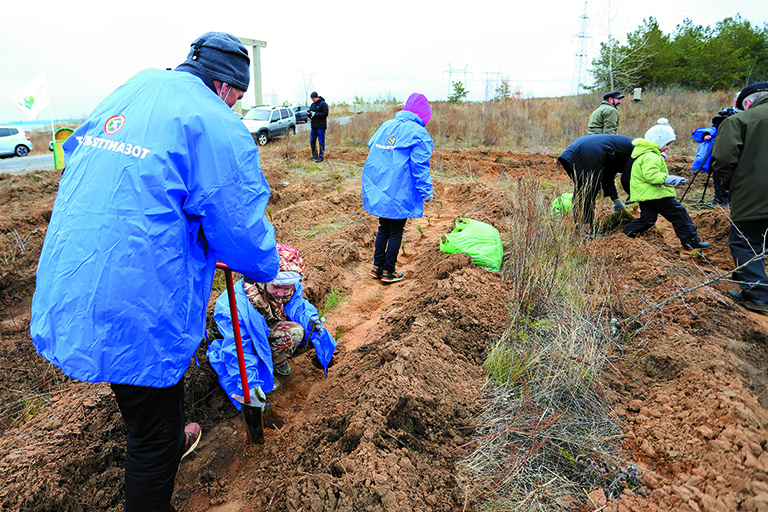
(384, 430)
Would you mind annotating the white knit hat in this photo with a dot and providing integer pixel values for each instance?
(661, 134)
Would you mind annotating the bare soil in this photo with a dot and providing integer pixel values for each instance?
(384, 431)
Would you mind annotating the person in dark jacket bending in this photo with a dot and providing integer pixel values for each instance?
(592, 162)
(318, 113)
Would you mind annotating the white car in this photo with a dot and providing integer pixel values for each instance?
(266, 123)
(13, 141)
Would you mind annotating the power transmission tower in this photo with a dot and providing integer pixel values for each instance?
(581, 61)
(488, 85)
(491, 84)
(450, 72)
(450, 78)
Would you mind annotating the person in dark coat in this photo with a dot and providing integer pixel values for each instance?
(738, 159)
(318, 114)
(592, 162)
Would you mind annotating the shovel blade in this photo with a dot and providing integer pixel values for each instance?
(253, 422)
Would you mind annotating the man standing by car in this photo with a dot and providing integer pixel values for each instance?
(162, 180)
(318, 113)
(738, 158)
(605, 118)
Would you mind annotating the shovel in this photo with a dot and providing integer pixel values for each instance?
(251, 410)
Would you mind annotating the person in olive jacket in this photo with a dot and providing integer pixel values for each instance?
(605, 118)
(318, 114)
(738, 158)
(653, 187)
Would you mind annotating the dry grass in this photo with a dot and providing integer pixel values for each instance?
(545, 434)
(546, 125)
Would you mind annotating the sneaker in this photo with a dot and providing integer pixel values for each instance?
(283, 369)
(320, 159)
(388, 277)
(276, 384)
(376, 272)
(759, 306)
(696, 245)
(193, 435)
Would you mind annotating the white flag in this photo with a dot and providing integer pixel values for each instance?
(33, 97)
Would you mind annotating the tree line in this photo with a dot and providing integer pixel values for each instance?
(729, 56)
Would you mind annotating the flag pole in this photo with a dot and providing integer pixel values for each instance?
(50, 115)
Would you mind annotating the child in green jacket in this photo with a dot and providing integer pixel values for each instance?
(653, 187)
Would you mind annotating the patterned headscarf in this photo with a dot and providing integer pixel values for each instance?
(291, 266)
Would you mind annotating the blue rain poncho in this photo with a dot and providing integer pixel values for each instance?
(222, 354)
(704, 151)
(161, 181)
(396, 175)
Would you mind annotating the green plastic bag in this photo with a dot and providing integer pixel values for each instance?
(478, 240)
(561, 205)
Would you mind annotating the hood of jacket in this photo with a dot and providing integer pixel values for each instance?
(643, 146)
(419, 105)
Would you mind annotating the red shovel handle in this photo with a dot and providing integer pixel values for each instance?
(236, 329)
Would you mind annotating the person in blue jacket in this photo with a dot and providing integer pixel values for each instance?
(161, 181)
(275, 320)
(396, 180)
(706, 139)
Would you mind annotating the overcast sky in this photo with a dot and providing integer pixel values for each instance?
(344, 48)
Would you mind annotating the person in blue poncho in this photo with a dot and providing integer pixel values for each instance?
(706, 139)
(275, 320)
(396, 181)
(161, 181)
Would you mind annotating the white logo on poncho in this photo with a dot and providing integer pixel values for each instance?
(117, 146)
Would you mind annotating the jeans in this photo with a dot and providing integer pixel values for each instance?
(670, 209)
(746, 239)
(316, 135)
(154, 418)
(388, 241)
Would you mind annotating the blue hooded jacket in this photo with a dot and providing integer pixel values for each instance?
(161, 181)
(704, 151)
(222, 354)
(396, 175)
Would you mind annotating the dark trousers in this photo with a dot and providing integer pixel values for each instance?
(154, 418)
(670, 209)
(721, 194)
(745, 240)
(388, 241)
(317, 136)
(586, 187)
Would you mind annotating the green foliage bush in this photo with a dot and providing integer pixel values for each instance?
(731, 55)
